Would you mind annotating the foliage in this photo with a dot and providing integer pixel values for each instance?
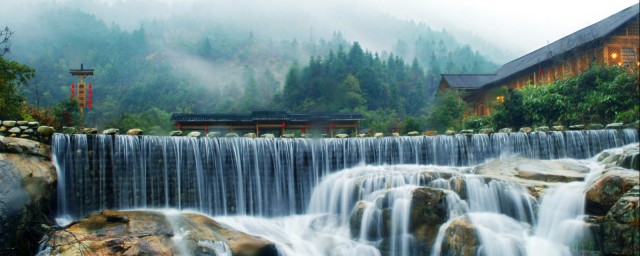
(599, 95)
(475, 122)
(447, 111)
(153, 119)
(67, 113)
(12, 75)
(411, 124)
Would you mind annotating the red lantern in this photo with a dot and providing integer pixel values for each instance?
(90, 87)
(179, 126)
(89, 106)
(73, 90)
(89, 100)
(333, 125)
(72, 85)
(304, 130)
(284, 124)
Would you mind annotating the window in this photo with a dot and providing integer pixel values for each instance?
(614, 55)
(500, 99)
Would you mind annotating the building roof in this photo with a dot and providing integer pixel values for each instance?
(266, 116)
(581, 37)
(467, 81)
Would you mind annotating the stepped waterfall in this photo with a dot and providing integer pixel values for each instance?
(340, 196)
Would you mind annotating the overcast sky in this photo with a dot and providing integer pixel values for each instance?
(518, 26)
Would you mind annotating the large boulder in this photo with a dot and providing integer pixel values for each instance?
(194, 134)
(620, 232)
(9, 123)
(461, 238)
(27, 184)
(428, 212)
(135, 131)
(413, 133)
(46, 130)
(604, 191)
(111, 131)
(153, 233)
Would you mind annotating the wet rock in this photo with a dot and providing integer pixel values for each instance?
(153, 233)
(9, 123)
(428, 212)
(213, 134)
(635, 125)
(194, 134)
(15, 130)
(111, 131)
(28, 131)
(90, 131)
(33, 124)
(577, 127)
(506, 130)
(135, 131)
(630, 158)
(605, 191)
(288, 135)
(175, 133)
(378, 135)
(487, 130)
(231, 135)
(27, 183)
(23, 127)
(22, 123)
(558, 128)
(620, 232)
(450, 132)
(614, 126)
(467, 132)
(461, 238)
(360, 135)
(542, 129)
(46, 130)
(268, 136)
(68, 130)
(525, 129)
(431, 133)
(395, 134)
(250, 135)
(342, 135)
(413, 133)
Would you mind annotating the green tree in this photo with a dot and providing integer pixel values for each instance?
(511, 113)
(448, 111)
(12, 75)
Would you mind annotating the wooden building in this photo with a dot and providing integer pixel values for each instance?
(612, 41)
(277, 122)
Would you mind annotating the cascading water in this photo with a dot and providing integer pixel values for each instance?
(259, 185)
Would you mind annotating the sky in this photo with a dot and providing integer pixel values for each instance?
(516, 26)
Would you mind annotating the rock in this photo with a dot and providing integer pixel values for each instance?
(413, 133)
(614, 126)
(342, 135)
(213, 134)
(23, 127)
(194, 134)
(450, 132)
(467, 132)
(33, 124)
(250, 135)
(135, 131)
(430, 133)
(378, 135)
(525, 129)
(111, 131)
(634, 125)
(268, 136)
(46, 130)
(542, 129)
(487, 130)
(90, 131)
(577, 127)
(630, 157)
(153, 233)
(22, 123)
(603, 192)
(175, 133)
(506, 130)
(231, 135)
(461, 238)
(27, 185)
(3, 129)
(15, 130)
(620, 233)
(9, 123)
(25, 136)
(360, 135)
(288, 135)
(428, 212)
(68, 130)
(395, 134)
(596, 126)
(558, 128)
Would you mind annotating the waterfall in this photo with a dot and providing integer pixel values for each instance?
(335, 196)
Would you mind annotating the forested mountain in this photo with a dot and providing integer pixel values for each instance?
(184, 64)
